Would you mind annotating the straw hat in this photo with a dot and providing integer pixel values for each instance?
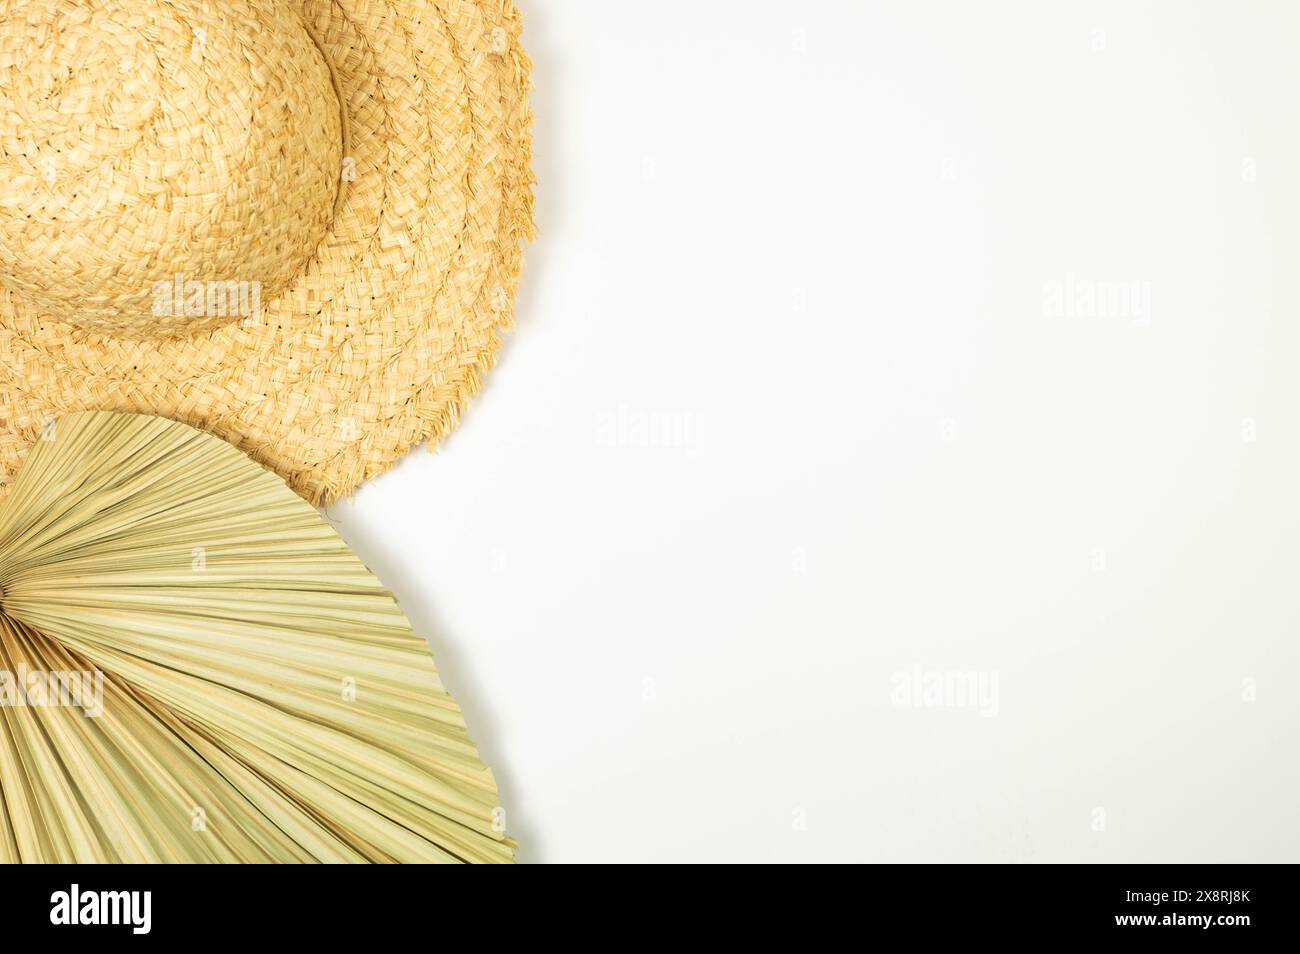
(297, 225)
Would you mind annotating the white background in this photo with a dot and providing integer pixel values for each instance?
(788, 415)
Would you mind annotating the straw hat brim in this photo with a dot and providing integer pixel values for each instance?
(388, 331)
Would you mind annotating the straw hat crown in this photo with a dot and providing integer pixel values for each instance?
(149, 143)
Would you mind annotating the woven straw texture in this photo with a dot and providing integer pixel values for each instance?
(362, 165)
(263, 698)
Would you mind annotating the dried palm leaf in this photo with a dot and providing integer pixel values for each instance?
(263, 697)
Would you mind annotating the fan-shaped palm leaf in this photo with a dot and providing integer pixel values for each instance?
(263, 696)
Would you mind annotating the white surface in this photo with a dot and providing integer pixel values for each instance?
(815, 241)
